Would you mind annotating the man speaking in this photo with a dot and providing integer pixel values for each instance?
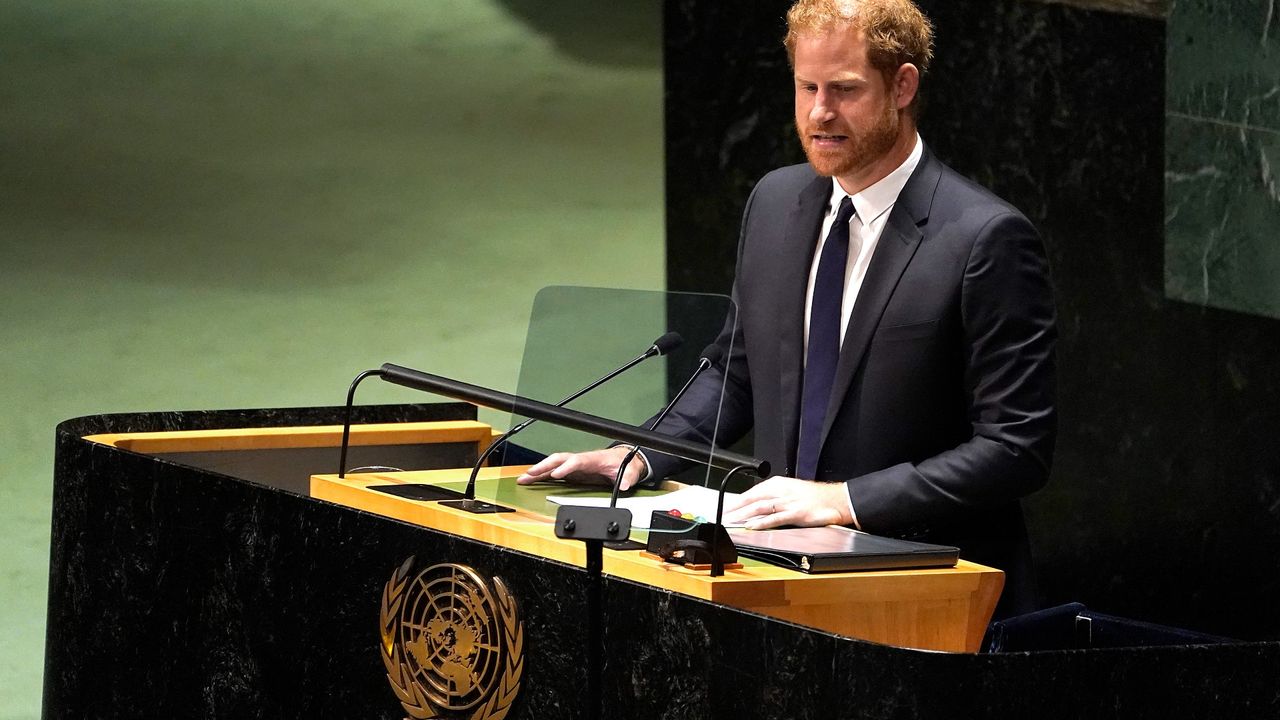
(894, 350)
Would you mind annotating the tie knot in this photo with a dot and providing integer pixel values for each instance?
(845, 211)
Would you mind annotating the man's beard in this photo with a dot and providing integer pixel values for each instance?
(861, 149)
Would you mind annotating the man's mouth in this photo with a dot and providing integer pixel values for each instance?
(827, 138)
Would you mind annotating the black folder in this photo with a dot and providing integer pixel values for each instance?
(839, 549)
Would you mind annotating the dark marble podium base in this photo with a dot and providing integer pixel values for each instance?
(179, 592)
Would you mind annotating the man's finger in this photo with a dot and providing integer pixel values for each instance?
(547, 463)
(539, 469)
(772, 520)
(571, 465)
(757, 508)
(756, 494)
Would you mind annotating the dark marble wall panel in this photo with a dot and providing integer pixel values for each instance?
(1165, 497)
(728, 122)
(1222, 246)
(1149, 8)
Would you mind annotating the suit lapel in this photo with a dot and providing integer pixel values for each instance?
(897, 245)
(803, 226)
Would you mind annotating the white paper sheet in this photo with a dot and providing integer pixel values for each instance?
(694, 500)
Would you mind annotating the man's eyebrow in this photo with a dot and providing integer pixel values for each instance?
(844, 80)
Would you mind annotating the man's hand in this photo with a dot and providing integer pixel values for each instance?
(789, 501)
(597, 467)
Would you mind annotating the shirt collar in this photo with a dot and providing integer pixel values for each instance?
(876, 200)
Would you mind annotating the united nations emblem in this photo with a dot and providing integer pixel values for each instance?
(453, 643)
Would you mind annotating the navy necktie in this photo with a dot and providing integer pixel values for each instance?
(824, 341)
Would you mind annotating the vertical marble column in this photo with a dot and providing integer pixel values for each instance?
(1222, 181)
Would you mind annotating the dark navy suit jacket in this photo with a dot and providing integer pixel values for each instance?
(942, 415)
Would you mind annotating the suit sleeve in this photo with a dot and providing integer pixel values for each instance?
(1008, 328)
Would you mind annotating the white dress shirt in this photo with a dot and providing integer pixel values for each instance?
(871, 213)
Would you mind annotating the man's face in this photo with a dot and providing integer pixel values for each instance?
(846, 115)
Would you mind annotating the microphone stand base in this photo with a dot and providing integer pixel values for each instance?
(693, 544)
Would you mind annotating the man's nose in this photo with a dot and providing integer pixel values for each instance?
(821, 111)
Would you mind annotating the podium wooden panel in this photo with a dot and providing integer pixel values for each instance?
(935, 609)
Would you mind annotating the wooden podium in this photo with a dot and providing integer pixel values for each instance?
(937, 609)
(211, 564)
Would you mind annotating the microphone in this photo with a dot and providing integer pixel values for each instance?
(711, 355)
(662, 346)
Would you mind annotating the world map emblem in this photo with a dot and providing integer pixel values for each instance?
(452, 642)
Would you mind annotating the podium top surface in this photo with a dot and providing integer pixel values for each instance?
(937, 609)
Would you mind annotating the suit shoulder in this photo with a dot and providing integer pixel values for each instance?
(961, 194)
(777, 191)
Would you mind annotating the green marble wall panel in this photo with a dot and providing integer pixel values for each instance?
(1222, 152)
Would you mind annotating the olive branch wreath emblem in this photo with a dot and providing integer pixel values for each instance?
(409, 691)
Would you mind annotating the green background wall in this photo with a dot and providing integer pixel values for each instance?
(217, 204)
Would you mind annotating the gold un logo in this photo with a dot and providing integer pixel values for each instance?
(453, 643)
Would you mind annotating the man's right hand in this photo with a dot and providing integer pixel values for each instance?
(597, 467)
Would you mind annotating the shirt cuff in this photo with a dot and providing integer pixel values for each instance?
(648, 469)
(852, 512)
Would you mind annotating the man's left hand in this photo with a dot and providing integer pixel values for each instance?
(790, 501)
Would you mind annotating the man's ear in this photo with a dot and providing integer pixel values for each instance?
(906, 82)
